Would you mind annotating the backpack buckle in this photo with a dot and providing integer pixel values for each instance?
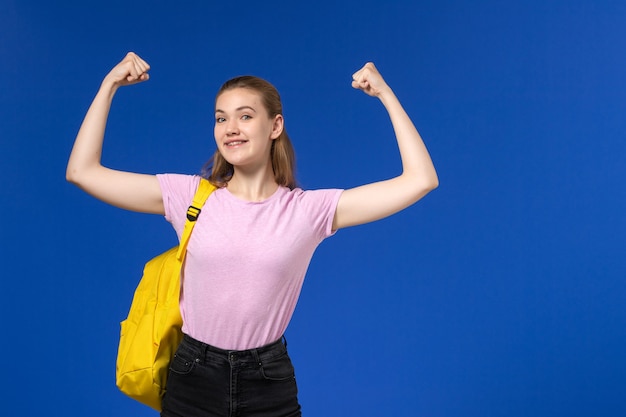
(193, 213)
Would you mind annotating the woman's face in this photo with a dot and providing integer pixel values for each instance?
(243, 129)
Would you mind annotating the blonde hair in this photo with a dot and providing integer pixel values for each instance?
(219, 171)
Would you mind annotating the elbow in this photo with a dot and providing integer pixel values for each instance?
(427, 179)
(414, 186)
(431, 180)
(75, 175)
(71, 176)
(429, 186)
(423, 185)
(434, 183)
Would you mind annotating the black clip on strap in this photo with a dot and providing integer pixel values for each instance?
(193, 213)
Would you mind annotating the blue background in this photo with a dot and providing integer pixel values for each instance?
(502, 293)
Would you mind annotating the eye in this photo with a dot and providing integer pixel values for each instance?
(220, 120)
(246, 117)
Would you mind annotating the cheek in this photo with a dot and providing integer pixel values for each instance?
(217, 131)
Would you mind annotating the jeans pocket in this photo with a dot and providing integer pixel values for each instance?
(182, 364)
(278, 369)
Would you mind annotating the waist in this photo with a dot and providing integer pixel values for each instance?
(262, 353)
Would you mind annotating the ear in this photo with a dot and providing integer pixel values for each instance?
(277, 126)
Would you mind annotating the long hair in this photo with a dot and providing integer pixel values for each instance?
(219, 171)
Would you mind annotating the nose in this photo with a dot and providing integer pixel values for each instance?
(231, 127)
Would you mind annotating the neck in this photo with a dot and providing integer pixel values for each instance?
(257, 186)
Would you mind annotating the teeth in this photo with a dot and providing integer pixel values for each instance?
(235, 143)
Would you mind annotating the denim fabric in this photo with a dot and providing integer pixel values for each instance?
(205, 381)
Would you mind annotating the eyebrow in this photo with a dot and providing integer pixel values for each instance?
(237, 109)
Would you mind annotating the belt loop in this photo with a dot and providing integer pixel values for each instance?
(203, 350)
(255, 355)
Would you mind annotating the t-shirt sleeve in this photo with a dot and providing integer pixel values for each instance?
(322, 205)
(177, 191)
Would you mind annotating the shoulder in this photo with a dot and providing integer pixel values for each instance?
(177, 191)
(313, 199)
(178, 183)
(317, 208)
(318, 194)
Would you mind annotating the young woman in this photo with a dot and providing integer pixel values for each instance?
(250, 249)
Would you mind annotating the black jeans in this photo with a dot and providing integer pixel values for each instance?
(205, 381)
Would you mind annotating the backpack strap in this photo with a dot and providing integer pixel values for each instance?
(205, 188)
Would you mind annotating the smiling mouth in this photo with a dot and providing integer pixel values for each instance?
(235, 142)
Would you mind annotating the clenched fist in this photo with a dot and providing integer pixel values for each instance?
(369, 80)
(131, 70)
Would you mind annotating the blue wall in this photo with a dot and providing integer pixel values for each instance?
(502, 293)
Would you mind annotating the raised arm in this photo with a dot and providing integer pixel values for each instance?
(377, 200)
(127, 190)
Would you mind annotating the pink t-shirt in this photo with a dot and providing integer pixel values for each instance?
(246, 261)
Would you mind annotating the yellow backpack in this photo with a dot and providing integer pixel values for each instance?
(152, 331)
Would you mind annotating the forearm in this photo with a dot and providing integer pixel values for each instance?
(87, 151)
(416, 161)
